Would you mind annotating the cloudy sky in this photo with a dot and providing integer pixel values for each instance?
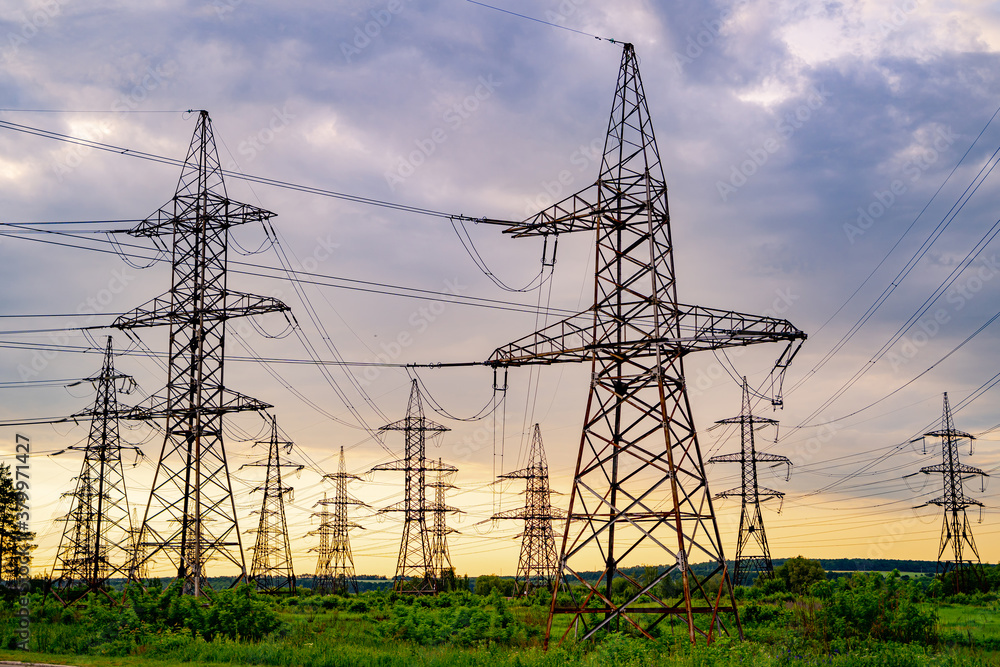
(824, 163)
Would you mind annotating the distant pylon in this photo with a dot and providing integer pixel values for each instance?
(95, 543)
(749, 559)
(640, 493)
(415, 571)
(956, 530)
(440, 556)
(137, 569)
(272, 568)
(323, 578)
(335, 564)
(190, 516)
(538, 565)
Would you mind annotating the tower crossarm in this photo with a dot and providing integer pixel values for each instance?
(960, 503)
(441, 507)
(759, 457)
(960, 468)
(163, 310)
(753, 419)
(952, 434)
(576, 338)
(579, 212)
(428, 466)
(576, 213)
(226, 213)
(763, 493)
(531, 472)
(158, 406)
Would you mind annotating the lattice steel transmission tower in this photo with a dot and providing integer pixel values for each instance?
(138, 564)
(444, 571)
(538, 565)
(272, 568)
(191, 515)
(639, 492)
(335, 565)
(95, 543)
(751, 532)
(956, 531)
(415, 572)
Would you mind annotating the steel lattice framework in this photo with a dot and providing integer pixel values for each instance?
(95, 543)
(191, 515)
(272, 568)
(335, 565)
(750, 560)
(956, 531)
(639, 491)
(415, 572)
(440, 556)
(538, 564)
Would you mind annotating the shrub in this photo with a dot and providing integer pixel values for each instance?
(799, 573)
(866, 606)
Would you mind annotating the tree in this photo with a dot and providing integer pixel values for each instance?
(15, 538)
(800, 573)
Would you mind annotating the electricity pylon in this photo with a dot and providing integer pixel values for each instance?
(415, 571)
(444, 571)
(272, 568)
(956, 531)
(335, 565)
(190, 516)
(639, 492)
(323, 578)
(751, 495)
(137, 568)
(538, 565)
(95, 543)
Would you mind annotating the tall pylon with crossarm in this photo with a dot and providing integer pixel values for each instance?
(538, 564)
(639, 492)
(95, 544)
(956, 531)
(415, 571)
(752, 552)
(335, 564)
(444, 571)
(272, 568)
(190, 516)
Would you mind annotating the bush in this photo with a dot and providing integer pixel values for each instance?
(866, 606)
(240, 613)
(799, 573)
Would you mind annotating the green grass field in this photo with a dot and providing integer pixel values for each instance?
(465, 630)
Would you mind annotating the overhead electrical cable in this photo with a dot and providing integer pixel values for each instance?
(912, 224)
